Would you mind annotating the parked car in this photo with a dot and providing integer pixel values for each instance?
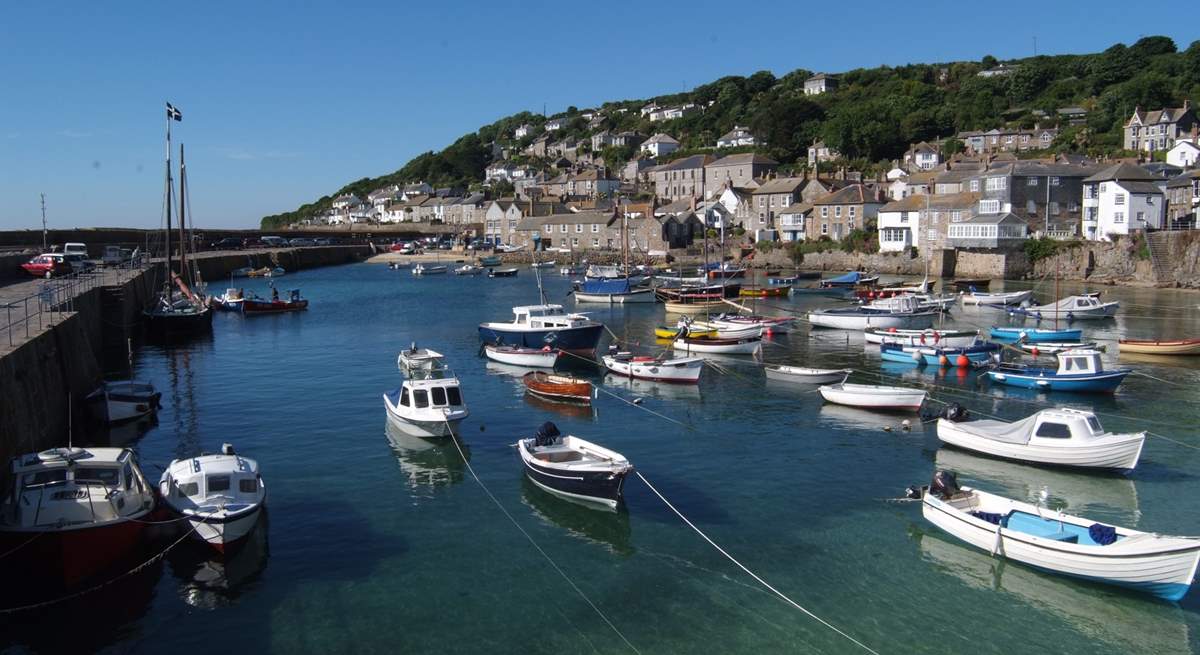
(445, 245)
(322, 241)
(228, 243)
(253, 242)
(301, 241)
(51, 264)
(274, 242)
(78, 263)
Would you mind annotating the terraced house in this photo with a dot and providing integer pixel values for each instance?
(1158, 129)
(841, 212)
(1121, 199)
(1045, 194)
(586, 230)
(683, 178)
(739, 170)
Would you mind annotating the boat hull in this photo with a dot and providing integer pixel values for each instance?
(1180, 347)
(600, 487)
(806, 376)
(1121, 452)
(861, 321)
(940, 338)
(747, 346)
(579, 340)
(906, 400)
(178, 323)
(69, 557)
(568, 390)
(1106, 382)
(225, 533)
(430, 427)
(997, 299)
(633, 296)
(251, 307)
(532, 358)
(1035, 335)
(684, 371)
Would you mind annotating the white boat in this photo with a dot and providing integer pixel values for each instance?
(1055, 347)
(808, 375)
(1074, 308)
(726, 329)
(534, 326)
(397, 266)
(429, 269)
(419, 362)
(468, 269)
(613, 291)
(126, 400)
(1061, 543)
(928, 337)
(543, 357)
(873, 396)
(1062, 437)
(231, 300)
(221, 496)
(549, 264)
(925, 302)
(1001, 298)
(683, 369)
(745, 346)
(768, 324)
(574, 468)
(861, 318)
(428, 407)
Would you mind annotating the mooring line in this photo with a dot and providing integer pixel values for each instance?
(21, 545)
(752, 573)
(496, 501)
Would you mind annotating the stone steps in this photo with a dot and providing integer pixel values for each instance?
(1159, 259)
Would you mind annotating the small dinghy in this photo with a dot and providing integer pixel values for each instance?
(769, 324)
(230, 301)
(925, 302)
(997, 299)
(428, 407)
(745, 346)
(870, 396)
(665, 332)
(121, 401)
(1060, 437)
(1177, 347)
(791, 280)
(1073, 308)
(969, 284)
(807, 375)
(502, 272)
(1078, 370)
(549, 264)
(1035, 335)
(398, 266)
(765, 292)
(419, 362)
(560, 388)
(429, 269)
(1054, 347)
(267, 271)
(220, 496)
(851, 279)
(961, 357)
(929, 337)
(468, 269)
(682, 369)
(861, 318)
(573, 468)
(1161, 565)
(544, 357)
(489, 261)
(253, 305)
(725, 329)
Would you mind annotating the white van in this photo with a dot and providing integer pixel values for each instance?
(75, 249)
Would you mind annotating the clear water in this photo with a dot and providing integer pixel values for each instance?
(376, 544)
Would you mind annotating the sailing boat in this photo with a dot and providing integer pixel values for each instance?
(187, 311)
(615, 290)
(700, 298)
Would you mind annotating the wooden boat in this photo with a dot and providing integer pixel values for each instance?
(563, 388)
(807, 375)
(996, 299)
(970, 284)
(1161, 565)
(115, 402)
(697, 299)
(502, 272)
(1061, 437)
(254, 305)
(861, 318)
(427, 407)
(1177, 347)
(961, 357)
(682, 369)
(667, 332)
(1035, 335)
(872, 396)
(1054, 347)
(928, 337)
(574, 468)
(744, 346)
(220, 496)
(544, 357)
(1073, 308)
(1078, 370)
(766, 292)
(429, 269)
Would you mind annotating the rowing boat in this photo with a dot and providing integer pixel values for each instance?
(1177, 347)
(872, 396)
(563, 388)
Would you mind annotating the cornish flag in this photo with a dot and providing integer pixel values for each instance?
(174, 113)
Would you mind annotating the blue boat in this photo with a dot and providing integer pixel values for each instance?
(1078, 370)
(853, 278)
(977, 354)
(1035, 335)
(536, 326)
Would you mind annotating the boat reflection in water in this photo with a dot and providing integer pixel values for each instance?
(427, 463)
(652, 389)
(209, 579)
(508, 370)
(125, 434)
(1125, 621)
(1106, 497)
(853, 418)
(580, 520)
(573, 410)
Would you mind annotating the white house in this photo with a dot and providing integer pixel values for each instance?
(523, 131)
(819, 83)
(900, 224)
(1121, 199)
(792, 220)
(1185, 153)
(555, 124)
(500, 170)
(738, 136)
(660, 144)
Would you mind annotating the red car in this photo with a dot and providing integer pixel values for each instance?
(48, 265)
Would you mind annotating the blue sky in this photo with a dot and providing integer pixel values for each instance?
(285, 102)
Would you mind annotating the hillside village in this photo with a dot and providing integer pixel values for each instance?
(673, 168)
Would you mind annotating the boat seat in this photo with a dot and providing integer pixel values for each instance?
(557, 454)
(1036, 526)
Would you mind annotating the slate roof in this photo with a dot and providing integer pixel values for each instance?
(745, 158)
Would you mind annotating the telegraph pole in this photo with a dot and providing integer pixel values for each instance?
(43, 222)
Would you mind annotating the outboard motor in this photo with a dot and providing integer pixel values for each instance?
(547, 435)
(955, 413)
(944, 485)
(227, 449)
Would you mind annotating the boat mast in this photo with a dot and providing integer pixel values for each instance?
(183, 240)
(167, 232)
(1056, 299)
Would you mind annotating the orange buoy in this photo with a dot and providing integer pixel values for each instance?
(1034, 350)
(892, 330)
(943, 360)
(962, 361)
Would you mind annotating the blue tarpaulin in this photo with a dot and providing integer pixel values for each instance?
(849, 278)
(605, 286)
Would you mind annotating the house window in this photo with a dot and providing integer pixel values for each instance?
(595, 228)
(824, 228)
(562, 228)
(1054, 208)
(1030, 207)
(837, 211)
(852, 211)
(1119, 199)
(974, 185)
(824, 212)
(1072, 206)
(1054, 181)
(595, 243)
(1102, 185)
(989, 206)
(1141, 217)
(1032, 181)
(1118, 217)
(578, 227)
(931, 235)
(575, 241)
(996, 183)
(955, 216)
(903, 217)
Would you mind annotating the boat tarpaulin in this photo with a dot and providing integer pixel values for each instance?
(849, 278)
(605, 286)
(1017, 432)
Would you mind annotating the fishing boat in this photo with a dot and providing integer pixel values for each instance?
(574, 468)
(849, 280)
(1176, 347)
(769, 324)
(718, 346)
(969, 284)
(427, 407)
(419, 362)
(116, 402)
(724, 329)
(429, 269)
(996, 299)
(502, 272)
(1054, 347)
(791, 280)
(267, 271)
(807, 375)
(561, 388)
(534, 326)
(489, 262)
(86, 509)
(927, 337)
(1078, 370)
(724, 270)
(1061, 437)
(293, 303)
(658, 369)
(925, 302)
(1035, 335)
(612, 292)
(230, 301)
(870, 396)
(1073, 308)
(221, 496)
(468, 269)
(1160, 565)
(766, 292)
(861, 318)
(937, 356)
(543, 357)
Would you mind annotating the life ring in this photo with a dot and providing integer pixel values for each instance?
(937, 336)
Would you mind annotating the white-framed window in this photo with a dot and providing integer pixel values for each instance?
(1102, 186)
(824, 228)
(574, 241)
(595, 228)
(579, 227)
(1150, 200)
(1053, 208)
(1119, 199)
(904, 217)
(989, 206)
(996, 184)
(1118, 217)
(837, 211)
(931, 234)
(853, 210)
(1054, 181)
(1141, 217)
(974, 185)
(955, 216)
(1031, 181)
(595, 243)
(562, 228)
(824, 213)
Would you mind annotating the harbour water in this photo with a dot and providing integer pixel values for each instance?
(377, 542)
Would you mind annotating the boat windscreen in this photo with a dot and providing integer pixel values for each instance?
(454, 395)
(103, 475)
(439, 396)
(420, 398)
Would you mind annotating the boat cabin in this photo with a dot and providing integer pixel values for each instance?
(62, 487)
(211, 482)
(1079, 362)
(1064, 423)
(431, 394)
(546, 316)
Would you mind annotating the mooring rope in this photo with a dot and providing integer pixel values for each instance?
(496, 501)
(21, 545)
(752, 574)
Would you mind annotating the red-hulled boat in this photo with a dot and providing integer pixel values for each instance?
(561, 388)
(276, 305)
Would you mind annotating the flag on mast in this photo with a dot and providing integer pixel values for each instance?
(173, 113)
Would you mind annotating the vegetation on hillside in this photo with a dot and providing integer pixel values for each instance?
(871, 118)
